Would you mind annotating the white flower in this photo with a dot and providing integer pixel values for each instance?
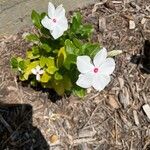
(56, 20)
(37, 71)
(96, 74)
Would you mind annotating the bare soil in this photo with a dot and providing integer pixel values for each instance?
(110, 120)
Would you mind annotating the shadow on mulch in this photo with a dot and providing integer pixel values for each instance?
(52, 95)
(16, 130)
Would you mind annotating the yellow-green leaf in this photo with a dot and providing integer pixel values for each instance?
(61, 57)
(45, 77)
(43, 61)
(58, 87)
(51, 69)
(29, 68)
(67, 82)
(58, 76)
(50, 62)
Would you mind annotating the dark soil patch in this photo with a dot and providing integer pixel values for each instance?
(111, 119)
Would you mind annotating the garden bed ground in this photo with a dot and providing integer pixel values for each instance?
(111, 119)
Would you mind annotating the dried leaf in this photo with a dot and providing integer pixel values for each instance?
(114, 53)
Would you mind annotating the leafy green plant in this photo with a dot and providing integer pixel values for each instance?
(51, 61)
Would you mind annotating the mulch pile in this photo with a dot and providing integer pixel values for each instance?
(113, 119)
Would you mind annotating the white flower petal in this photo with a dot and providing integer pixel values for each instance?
(84, 64)
(57, 32)
(63, 23)
(47, 23)
(108, 66)
(38, 77)
(41, 72)
(60, 11)
(100, 57)
(34, 71)
(84, 80)
(51, 10)
(38, 68)
(100, 81)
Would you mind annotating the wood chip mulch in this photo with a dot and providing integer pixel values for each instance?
(113, 119)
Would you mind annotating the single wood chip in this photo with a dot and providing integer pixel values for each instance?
(53, 138)
(113, 102)
(146, 109)
(136, 119)
(131, 24)
(102, 24)
(121, 82)
(143, 21)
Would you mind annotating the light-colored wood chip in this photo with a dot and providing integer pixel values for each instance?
(102, 24)
(121, 82)
(143, 21)
(131, 24)
(113, 102)
(136, 119)
(146, 109)
(124, 97)
(53, 138)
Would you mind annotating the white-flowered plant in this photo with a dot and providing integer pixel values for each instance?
(95, 74)
(56, 20)
(61, 53)
(38, 72)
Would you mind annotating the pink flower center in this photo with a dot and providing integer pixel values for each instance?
(54, 20)
(96, 70)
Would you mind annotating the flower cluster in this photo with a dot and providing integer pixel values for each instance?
(60, 57)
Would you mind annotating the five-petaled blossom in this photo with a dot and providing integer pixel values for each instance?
(96, 74)
(56, 20)
(37, 71)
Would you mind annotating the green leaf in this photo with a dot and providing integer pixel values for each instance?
(43, 14)
(61, 57)
(78, 91)
(50, 62)
(32, 38)
(21, 77)
(58, 86)
(29, 68)
(78, 17)
(67, 82)
(58, 76)
(22, 65)
(77, 43)
(86, 30)
(43, 61)
(14, 63)
(76, 21)
(70, 47)
(33, 53)
(90, 49)
(45, 47)
(45, 77)
(71, 59)
(36, 19)
(51, 69)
